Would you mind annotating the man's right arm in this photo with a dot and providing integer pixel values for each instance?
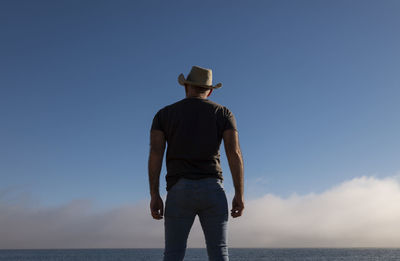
(235, 160)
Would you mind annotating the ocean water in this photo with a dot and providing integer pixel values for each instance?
(236, 254)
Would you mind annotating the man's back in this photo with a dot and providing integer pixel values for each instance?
(193, 129)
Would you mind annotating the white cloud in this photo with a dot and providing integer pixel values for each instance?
(361, 212)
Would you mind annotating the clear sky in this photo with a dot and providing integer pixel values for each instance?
(314, 86)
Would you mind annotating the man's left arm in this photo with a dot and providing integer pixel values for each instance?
(157, 148)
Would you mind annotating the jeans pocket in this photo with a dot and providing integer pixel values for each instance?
(179, 203)
(217, 203)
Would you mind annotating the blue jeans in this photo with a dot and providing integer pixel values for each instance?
(186, 199)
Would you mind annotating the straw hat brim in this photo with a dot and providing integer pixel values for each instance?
(182, 81)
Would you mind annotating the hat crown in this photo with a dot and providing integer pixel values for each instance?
(200, 76)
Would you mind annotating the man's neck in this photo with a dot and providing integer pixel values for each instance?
(198, 97)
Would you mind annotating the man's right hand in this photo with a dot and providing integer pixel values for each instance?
(237, 206)
(157, 207)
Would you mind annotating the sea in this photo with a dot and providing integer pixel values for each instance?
(235, 254)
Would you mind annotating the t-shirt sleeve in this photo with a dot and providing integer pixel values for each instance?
(157, 122)
(230, 121)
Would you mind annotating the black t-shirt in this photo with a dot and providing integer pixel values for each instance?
(193, 130)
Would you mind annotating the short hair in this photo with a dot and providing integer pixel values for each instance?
(199, 89)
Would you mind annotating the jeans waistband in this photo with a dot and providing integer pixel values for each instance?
(204, 182)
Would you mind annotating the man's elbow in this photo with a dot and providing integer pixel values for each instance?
(234, 154)
(156, 151)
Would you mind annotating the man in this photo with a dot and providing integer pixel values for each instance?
(193, 128)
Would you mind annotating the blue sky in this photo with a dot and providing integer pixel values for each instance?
(314, 86)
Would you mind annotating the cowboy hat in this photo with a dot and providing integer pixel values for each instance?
(199, 77)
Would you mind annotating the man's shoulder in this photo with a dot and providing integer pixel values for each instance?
(220, 107)
(172, 105)
(214, 103)
(164, 107)
(185, 102)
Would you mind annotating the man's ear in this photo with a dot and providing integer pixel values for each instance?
(210, 93)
